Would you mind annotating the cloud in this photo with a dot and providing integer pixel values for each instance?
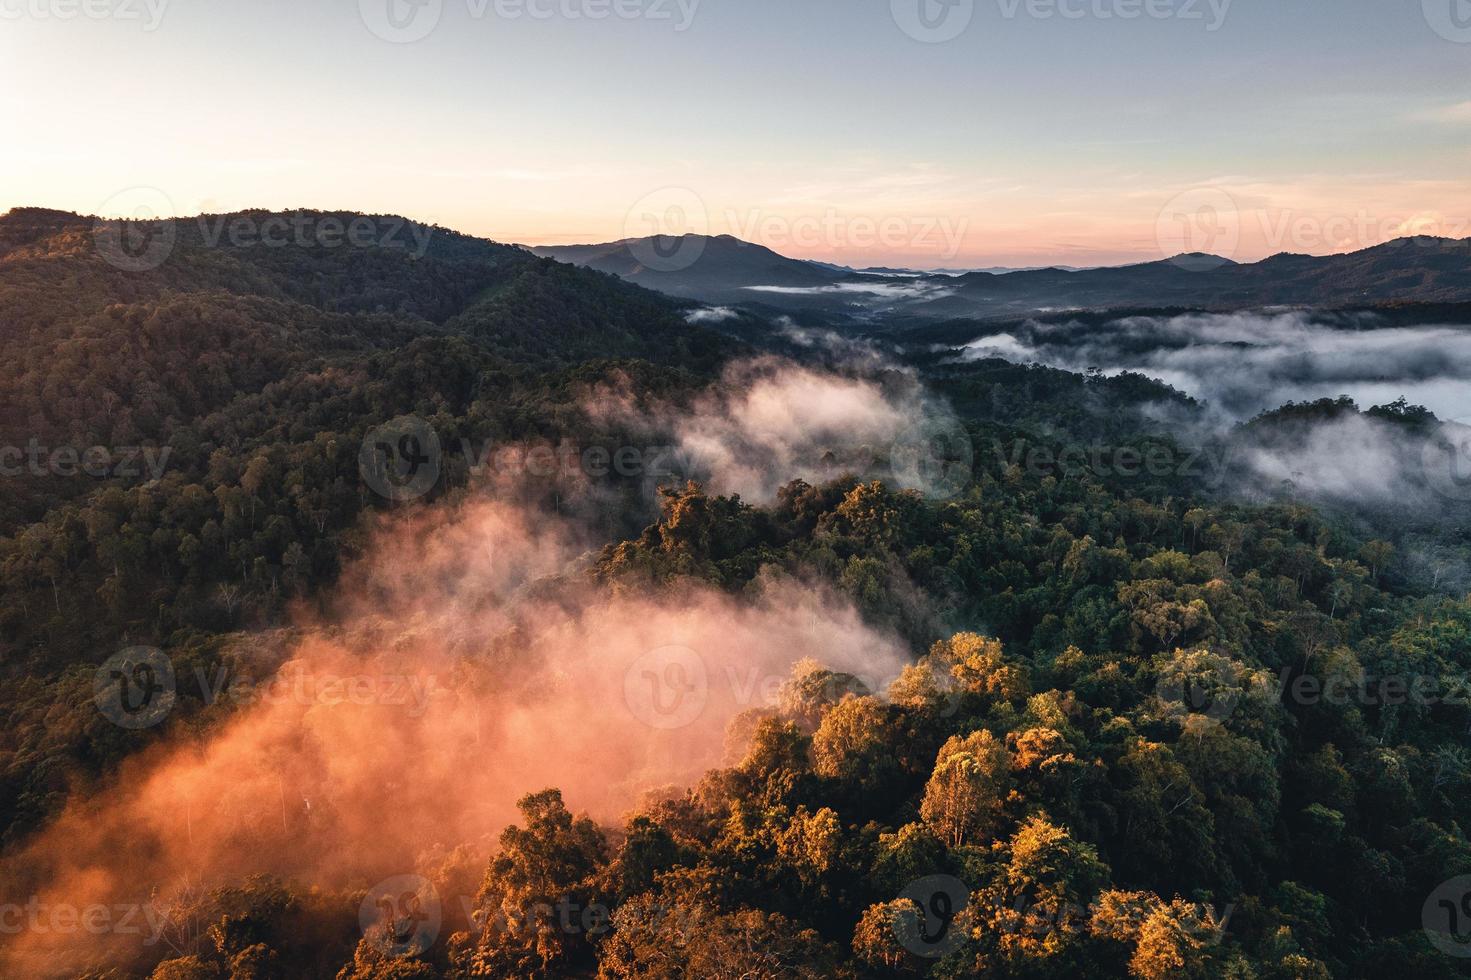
(1245, 364)
(1350, 460)
(1402, 477)
(468, 662)
(468, 658)
(769, 421)
(711, 314)
(881, 290)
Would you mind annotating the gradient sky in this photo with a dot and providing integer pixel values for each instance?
(817, 126)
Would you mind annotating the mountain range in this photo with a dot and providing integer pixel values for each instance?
(727, 271)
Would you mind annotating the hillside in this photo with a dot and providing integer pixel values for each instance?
(249, 365)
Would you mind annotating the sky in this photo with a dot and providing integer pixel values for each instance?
(926, 133)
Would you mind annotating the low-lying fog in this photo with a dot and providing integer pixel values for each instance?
(1245, 364)
(859, 291)
(1404, 476)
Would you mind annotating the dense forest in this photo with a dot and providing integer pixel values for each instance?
(1150, 724)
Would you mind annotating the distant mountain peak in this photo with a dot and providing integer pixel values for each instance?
(1192, 260)
(718, 268)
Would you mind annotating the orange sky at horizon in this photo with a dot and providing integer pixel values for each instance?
(1019, 142)
(1241, 220)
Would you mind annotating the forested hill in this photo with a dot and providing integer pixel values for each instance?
(336, 262)
(256, 368)
(1143, 731)
(228, 381)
